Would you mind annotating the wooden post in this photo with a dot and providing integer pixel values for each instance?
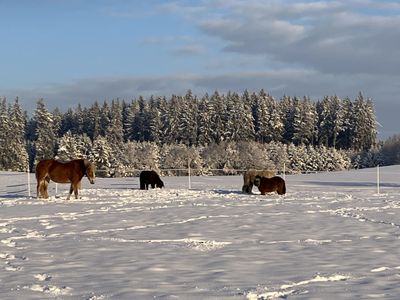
(190, 183)
(377, 180)
(29, 180)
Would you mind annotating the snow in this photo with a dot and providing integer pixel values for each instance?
(331, 236)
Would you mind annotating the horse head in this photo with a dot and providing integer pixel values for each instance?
(90, 170)
(160, 184)
(257, 181)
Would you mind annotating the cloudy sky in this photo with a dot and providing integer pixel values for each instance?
(78, 51)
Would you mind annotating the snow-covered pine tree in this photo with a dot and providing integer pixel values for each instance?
(297, 158)
(18, 154)
(391, 150)
(46, 139)
(102, 157)
(67, 122)
(339, 120)
(205, 130)
(92, 121)
(79, 120)
(114, 131)
(115, 135)
(218, 117)
(304, 121)
(344, 139)
(143, 121)
(172, 127)
(270, 124)
(156, 126)
(239, 124)
(325, 121)
(130, 126)
(331, 120)
(105, 112)
(286, 106)
(364, 134)
(67, 148)
(187, 119)
(5, 129)
(164, 118)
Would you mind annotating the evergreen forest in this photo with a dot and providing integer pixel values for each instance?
(213, 134)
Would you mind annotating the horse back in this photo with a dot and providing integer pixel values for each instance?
(280, 185)
(65, 172)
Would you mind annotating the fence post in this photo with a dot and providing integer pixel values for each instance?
(190, 183)
(377, 179)
(29, 180)
(284, 171)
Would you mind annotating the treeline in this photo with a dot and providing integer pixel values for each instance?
(204, 124)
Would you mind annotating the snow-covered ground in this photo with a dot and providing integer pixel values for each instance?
(331, 237)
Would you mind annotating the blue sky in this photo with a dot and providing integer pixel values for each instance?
(81, 51)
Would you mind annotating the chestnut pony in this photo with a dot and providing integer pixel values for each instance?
(63, 172)
(268, 185)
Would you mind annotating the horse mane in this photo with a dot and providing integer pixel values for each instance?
(86, 163)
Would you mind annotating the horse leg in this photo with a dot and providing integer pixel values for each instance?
(42, 189)
(46, 185)
(39, 189)
(71, 189)
(76, 187)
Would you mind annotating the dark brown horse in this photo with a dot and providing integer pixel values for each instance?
(63, 172)
(268, 185)
(150, 178)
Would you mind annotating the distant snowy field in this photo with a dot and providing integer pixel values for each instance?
(331, 237)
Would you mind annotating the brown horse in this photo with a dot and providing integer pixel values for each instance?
(250, 175)
(63, 172)
(268, 185)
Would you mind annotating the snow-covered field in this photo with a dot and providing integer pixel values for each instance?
(331, 237)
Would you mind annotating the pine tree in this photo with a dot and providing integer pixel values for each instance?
(67, 148)
(141, 124)
(67, 122)
(5, 129)
(92, 121)
(345, 135)
(304, 122)
(130, 126)
(269, 121)
(18, 154)
(205, 130)
(187, 119)
(364, 124)
(287, 108)
(102, 156)
(218, 117)
(155, 123)
(46, 139)
(104, 121)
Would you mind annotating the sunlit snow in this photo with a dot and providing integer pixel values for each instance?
(332, 236)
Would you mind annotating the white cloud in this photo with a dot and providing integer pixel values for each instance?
(338, 37)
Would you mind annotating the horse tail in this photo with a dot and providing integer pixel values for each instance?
(283, 190)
